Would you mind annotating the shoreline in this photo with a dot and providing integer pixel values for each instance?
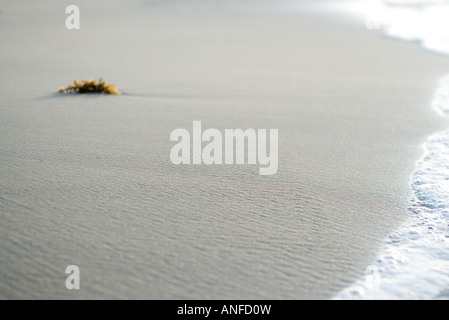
(412, 261)
(88, 180)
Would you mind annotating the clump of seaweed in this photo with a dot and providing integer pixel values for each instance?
(90, 86)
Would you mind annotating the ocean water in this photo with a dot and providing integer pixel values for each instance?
(414, 261)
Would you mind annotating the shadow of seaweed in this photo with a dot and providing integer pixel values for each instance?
(164, 96)
(58, 95)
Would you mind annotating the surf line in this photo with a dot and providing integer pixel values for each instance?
(189, 148)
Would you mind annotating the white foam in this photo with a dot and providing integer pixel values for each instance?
(428, 25)
(423, 21)
(414, 262)
(414, 2)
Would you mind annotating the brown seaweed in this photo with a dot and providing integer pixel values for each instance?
(90, 86)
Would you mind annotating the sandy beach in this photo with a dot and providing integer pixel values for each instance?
(87, 179)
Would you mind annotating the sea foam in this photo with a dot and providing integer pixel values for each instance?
(414, 261)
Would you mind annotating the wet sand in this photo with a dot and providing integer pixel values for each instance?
(87, 180)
